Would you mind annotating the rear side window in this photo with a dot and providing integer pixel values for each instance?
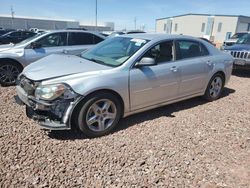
(190, 49)
(81, 38)
(28, 34)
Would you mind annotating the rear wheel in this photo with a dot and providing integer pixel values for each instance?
(9, 72)
(215, 87)
(98, 115)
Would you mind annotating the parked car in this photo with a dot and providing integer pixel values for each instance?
(232, 40)
(13, 58)
(15, 37)
(207, 41)
(241, 52)
(121, 76)
(117, 33)
(4, 31)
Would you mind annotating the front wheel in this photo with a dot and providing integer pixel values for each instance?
(215, 87)
(9, 73)
(98, 115)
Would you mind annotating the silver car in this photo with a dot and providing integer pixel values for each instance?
(121, 76)
(13, 58)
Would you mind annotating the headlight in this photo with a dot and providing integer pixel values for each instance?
(50, 92)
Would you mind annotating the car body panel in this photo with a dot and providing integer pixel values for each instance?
(140, 88)
(30, 55)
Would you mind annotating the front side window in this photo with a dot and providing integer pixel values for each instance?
(81, 38)
(244, 40)
(53, 40)
(162, 52)
(188, 49)
(114, 51)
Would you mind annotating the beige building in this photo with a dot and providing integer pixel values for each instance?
(217, 28)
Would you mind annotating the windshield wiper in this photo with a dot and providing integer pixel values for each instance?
(95, 60)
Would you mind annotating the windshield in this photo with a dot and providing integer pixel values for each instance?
(30, 38)
(244, 40)
(237, 35)
(114, 51)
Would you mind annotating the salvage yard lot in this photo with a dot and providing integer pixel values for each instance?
(187, 144)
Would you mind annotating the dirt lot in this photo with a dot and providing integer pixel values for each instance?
(187, 144)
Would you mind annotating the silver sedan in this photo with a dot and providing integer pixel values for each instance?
(121, 76)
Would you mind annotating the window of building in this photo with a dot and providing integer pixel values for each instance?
(165, 27)
(176, 27)
(203, 27)
(189, 49)
(219, 27)
(248, 27)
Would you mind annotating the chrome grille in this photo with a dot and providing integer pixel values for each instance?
(240, 54)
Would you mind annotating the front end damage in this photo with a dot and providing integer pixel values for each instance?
(52, 115)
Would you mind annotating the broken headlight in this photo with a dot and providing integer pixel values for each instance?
(50, 92)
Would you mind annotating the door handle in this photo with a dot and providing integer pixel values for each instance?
(174, 69)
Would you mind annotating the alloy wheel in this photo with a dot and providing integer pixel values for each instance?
(8, 74)
(215, 87)
(100, 115)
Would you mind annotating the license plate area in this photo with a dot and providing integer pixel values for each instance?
(239, 62)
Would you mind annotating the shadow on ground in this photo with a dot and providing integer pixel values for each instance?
(242, 73)
(141, 117)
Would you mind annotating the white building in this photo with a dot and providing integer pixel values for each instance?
(21, 22)
(214, 27)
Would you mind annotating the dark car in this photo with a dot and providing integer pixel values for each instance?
(15, 37)
(4, 31)
(241, 52)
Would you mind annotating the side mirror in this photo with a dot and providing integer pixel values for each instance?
(35, 45)
(146, 61)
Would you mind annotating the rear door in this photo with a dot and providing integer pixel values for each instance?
(50, 44)
(194, 65)
(81, 41)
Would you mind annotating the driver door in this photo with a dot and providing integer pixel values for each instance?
(49, 44)
(152, 85)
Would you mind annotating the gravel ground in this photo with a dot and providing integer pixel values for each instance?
(187, 144)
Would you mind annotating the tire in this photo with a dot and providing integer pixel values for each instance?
(9, 72)
(98, 114)
(215, 87)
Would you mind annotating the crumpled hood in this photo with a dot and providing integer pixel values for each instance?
(56, 65)
(239, 47)
(6, 47)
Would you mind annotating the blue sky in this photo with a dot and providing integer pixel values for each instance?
(123, 12)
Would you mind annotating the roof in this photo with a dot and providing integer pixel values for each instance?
(149, 36)
(192, 14)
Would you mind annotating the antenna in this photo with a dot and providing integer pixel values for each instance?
(135, 22)
(12, 16)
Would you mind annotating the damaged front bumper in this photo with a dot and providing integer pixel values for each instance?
(52, 115)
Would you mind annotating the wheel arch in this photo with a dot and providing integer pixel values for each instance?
(89, 95)
(10, 60)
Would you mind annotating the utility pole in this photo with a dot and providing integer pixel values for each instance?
(12, 16)
(135, 22)
(96, 15)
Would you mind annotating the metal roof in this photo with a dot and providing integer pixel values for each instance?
(192, 14)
